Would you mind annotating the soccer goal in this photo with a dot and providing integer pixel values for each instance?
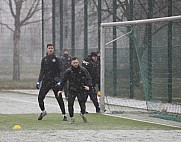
(141, 67)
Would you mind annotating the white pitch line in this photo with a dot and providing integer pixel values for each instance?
(25, 101)
(146, 121)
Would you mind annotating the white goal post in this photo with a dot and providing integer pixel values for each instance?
(102, 46)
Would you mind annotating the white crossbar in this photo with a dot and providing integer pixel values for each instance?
(163, 19)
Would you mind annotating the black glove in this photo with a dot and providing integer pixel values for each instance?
(38, 85)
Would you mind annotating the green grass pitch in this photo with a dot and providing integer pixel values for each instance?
(53, 121)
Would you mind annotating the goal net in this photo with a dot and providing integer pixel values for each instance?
(141, 67)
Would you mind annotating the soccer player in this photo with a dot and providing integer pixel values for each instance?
(79, 83)
(90, 64)
(49, 78)
(65, 63)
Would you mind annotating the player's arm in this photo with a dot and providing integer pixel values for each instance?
(88, 80)
(63, 81)
(61, 67)
(42, 73)
(42, 70)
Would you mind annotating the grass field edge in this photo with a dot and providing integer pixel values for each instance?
(144, 121)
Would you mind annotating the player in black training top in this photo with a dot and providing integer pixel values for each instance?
(79, 83)
(49, 78)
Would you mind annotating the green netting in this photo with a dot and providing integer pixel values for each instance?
(145, 73)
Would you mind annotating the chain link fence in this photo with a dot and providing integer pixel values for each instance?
(32, 22)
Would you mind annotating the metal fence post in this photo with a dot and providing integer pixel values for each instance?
(114, 50)
(42, 4)
(73, 28)
(170, 53)
(85, 29)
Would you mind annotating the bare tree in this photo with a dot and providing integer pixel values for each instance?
(22, 12)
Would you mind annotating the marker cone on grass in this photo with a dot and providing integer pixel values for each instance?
(16, 127)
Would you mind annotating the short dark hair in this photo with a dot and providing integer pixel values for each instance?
(74, 58)
(93, 54)
(65, 50)
(49, 45)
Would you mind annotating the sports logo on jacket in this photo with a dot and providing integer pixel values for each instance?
(54, 60)
(86, 63)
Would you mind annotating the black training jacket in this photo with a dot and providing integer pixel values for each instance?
(91, 67)
(65, 63)
(77, 77)
(50, 69)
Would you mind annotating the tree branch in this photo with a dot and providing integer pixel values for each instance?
(36, 21)
(122, 5)
(6, 26)
(95, 3)
(31, 12)
(142, 6)
(11, 8)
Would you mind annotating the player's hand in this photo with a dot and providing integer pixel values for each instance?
(86, 88)
(59, 93)
(38, 85)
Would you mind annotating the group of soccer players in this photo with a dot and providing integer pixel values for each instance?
(66, 74)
